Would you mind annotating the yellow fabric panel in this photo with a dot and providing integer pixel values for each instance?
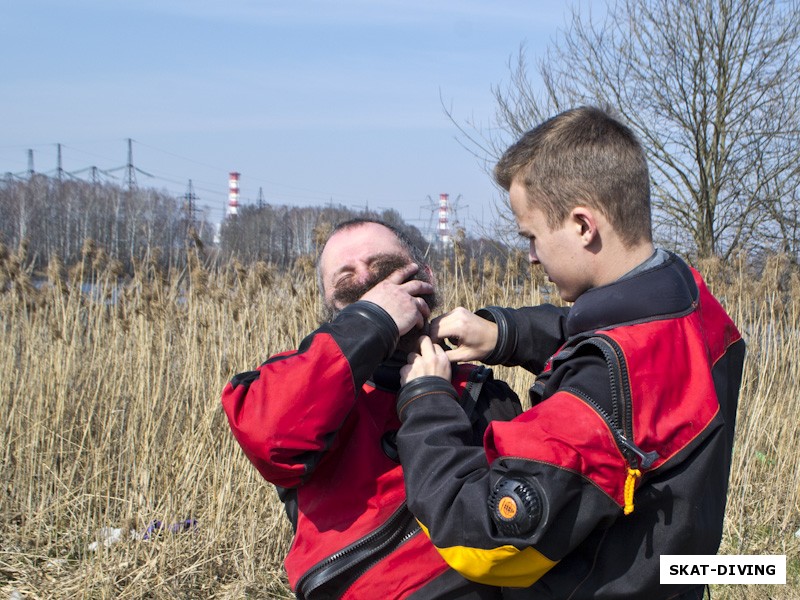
(503, 566)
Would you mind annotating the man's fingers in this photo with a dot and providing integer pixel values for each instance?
(405, 371)
(424, 309)
(445, 327)
(457, 355)
(438, 334)
(403, 273)
(416, 287)
(425, 345)
(434, 329)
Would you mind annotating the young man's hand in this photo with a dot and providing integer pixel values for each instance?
(474, 337)
(431, 360)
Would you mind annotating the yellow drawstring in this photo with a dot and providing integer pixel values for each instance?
(630, 483)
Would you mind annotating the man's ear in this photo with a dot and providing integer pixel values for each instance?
(585, 223)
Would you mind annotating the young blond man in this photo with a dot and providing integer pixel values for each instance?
(625, 452)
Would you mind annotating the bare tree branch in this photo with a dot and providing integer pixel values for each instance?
(711, 87)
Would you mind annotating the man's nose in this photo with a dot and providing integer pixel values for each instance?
(361, 272)
(532, 255)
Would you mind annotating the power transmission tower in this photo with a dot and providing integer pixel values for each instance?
(121, 205)
(190, 197)
(95, 174)
(260, 198)
(60, 173)
(130, 169)
(59, 170)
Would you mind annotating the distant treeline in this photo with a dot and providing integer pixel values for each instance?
(54, 218)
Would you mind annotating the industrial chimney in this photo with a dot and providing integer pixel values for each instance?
(233, 194)
(444, 227)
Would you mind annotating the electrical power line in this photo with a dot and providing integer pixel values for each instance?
(130, 171)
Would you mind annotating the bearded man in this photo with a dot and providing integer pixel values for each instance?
(320, 423)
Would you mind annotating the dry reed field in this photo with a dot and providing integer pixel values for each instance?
(120, 476)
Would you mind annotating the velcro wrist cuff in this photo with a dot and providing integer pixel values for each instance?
(423, 386)
(382, 320)
(506, 335)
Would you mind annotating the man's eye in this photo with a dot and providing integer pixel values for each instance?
(342, 279)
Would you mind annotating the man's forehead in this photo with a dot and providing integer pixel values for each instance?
(364, 239)
(367, 237)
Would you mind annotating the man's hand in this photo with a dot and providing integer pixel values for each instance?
(474, 337)
(400, 298)
(431, 360)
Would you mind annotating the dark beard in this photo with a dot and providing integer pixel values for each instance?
(380, 268)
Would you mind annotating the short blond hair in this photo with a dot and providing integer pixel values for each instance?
(583, 156)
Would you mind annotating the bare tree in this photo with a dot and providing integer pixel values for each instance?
(711, 87)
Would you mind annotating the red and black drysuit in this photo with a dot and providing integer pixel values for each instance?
(320, 423)
(624, 455)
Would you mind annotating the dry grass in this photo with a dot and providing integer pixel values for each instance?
(111, 418)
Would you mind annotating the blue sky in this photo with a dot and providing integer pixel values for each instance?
(311, 101)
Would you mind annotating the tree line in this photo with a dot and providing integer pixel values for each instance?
(53, 217)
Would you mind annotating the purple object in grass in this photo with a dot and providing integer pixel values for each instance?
(157, 527)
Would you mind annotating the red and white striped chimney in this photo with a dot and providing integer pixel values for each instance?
(444, 227)
(233, 193)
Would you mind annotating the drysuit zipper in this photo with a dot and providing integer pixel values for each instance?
(621, 397)
(635, 456)
(620, 422)
(332, 576)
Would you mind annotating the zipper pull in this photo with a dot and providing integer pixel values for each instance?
(645, 459)
(630, 484)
